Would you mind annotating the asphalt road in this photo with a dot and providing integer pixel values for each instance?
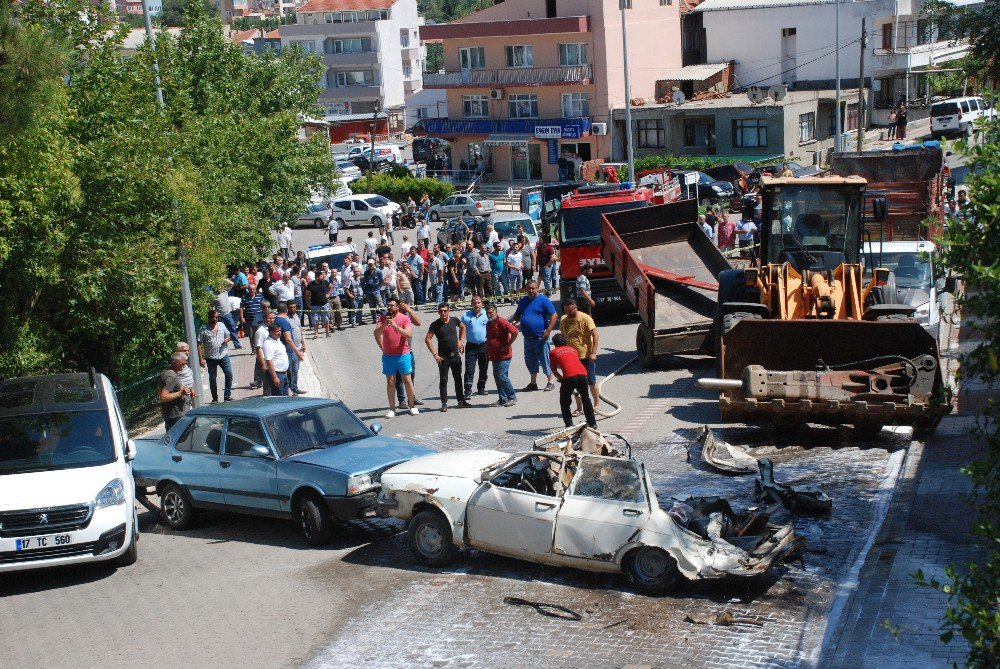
(240, 591)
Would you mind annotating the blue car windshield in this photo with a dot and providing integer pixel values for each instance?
(313, 428)
(56, 440)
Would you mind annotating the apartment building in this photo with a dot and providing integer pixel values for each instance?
(372, 55)
(528, 80)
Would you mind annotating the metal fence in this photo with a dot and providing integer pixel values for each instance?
(138, 396)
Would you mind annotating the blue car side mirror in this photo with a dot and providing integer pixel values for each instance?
(260, 451)
(376, 428)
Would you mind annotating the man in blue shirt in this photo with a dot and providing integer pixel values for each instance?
(498, 259)
(475, 346)
(537, 317)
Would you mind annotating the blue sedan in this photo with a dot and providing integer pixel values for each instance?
(307, 459)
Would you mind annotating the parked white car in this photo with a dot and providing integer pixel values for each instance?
(461, 205)
(568, 508)
(348, 169)
(957, 116)
(316, 214)
(66, 490)
(363, 209)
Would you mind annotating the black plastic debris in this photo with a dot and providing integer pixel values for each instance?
(806, 500)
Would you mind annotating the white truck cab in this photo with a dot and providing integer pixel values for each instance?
(66, 489)
(919, 279)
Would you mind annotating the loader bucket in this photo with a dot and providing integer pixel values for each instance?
(800, 345)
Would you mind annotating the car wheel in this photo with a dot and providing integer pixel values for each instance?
(341, 223)
(314, 521)
(644, 347)
(430, 539)
(319, 224)
(178, 511)
(652, 571)
(435, 217)
(131, 554)
(467, 213)
(376, 221)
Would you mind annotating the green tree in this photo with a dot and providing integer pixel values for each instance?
(972, 251)
(172, 13)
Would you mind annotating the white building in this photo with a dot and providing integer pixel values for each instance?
(371, 50)
(426, 103)
(791, 42)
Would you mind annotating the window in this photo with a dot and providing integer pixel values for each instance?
(575, 105)
(628, 3)
(472, 58)
(522, 105)
(404, 38)
(309, 46)
(807, 127)
(321, 427)
(572, 54)
(651, 133)
(328, 17)
(407, 71)
(925, 32)
(243, 434)
(749, 133)
(518, 56)
(421, 112)
(887, 36)
(475, 106)
(355, 78)
(204, 435)
(352, 45)
(699, 133)
(608, 479)
(666, 3)
(788, 32)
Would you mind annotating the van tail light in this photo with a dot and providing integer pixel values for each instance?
(479, 205)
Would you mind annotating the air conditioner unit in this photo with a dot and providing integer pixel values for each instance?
(598, 128)
(496, 94)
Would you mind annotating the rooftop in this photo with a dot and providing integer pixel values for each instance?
(722, 5)
(694, 72)
(343, 5)
(740, 100)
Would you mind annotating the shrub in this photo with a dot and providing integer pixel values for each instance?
(398, 188)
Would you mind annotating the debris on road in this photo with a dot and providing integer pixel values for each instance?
(723, 456)
(804, 500)
(726, 619)
(550, 610)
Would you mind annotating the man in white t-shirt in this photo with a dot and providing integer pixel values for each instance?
(276, 358)
(285, 242)
(332, 228)
(259, 335)
(370, 245)
(515, 267)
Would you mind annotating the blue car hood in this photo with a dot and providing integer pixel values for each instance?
(363, 455)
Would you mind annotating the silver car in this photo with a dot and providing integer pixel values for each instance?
(317, 215)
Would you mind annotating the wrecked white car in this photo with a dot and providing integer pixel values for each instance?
(575, 501)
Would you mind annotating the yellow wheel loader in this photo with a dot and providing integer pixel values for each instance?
(802, 336)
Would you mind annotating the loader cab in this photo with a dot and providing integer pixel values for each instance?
(812, 223)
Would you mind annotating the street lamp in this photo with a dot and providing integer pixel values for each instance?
(186, 304)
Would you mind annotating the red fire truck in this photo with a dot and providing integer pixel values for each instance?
(579, 233)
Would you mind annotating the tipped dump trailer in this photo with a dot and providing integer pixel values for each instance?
(669, 269)
(911, 179)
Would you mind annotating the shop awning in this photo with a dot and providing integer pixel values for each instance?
(508, 139)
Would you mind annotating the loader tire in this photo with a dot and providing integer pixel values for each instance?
(644, 347)
(894, 317)
(729, 321)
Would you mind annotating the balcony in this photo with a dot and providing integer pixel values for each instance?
(321, 30)
(516, 76)
(918, 55)
(410, 53)
(347, 59)
(351, 93)
(569, 128)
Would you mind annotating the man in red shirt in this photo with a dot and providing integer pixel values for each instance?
(393, 334)
(572, 377)
(500, 335)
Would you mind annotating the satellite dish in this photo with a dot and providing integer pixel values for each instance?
(756, 94)
(777, 93)
(679, 97)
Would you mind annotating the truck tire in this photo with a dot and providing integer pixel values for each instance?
(644, 347)
(729, 321)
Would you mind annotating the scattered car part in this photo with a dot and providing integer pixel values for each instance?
(726, 619)
(723, 456)
(546, 609)
(804, 500)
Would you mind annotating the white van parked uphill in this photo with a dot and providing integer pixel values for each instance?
(957, 116)
(66, 489)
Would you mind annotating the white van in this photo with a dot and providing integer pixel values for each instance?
(66, 489)
(919, 279)
(957, 116)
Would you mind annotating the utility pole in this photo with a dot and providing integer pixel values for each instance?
(187, 305)
(837, 125)
(371, 156)
(861, 87)
(628, 97)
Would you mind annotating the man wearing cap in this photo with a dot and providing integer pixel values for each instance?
(276, 361)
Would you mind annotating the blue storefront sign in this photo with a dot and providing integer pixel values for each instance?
(553, 151)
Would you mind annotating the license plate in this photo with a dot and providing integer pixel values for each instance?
(49, 541)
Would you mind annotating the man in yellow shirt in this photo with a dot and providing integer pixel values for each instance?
(581, 333)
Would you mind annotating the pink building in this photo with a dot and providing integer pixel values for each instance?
(528, 80)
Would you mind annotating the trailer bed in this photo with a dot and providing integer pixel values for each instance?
(669, 271)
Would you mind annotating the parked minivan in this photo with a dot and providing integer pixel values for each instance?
(957, 116)
(363, 209)
(66, 489)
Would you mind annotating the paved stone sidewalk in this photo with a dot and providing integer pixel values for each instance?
(890, 621)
